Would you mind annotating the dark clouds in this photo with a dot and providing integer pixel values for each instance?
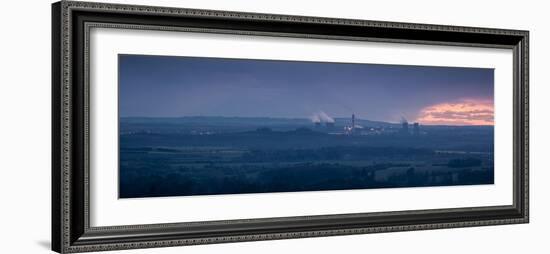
(184, 86)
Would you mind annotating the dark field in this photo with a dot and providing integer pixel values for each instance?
(218, 155)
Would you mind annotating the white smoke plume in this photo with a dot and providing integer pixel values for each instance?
(315, 118)
(321, 117)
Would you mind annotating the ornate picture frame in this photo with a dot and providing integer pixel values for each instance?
(71, 229)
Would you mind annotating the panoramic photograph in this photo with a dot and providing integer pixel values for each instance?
(206, 126)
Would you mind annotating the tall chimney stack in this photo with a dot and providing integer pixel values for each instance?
(352, 121)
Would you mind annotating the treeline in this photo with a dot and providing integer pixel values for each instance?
(347, 153)
(464, 163)
(218, 179)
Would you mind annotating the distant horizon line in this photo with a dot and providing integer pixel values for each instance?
(304, 118)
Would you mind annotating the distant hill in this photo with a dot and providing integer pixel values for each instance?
(216, 120)
(260, 121)
(363, 122)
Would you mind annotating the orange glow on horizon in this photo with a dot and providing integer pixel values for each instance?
(464, 112)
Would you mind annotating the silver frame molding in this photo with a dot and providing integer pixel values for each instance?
(71, 23)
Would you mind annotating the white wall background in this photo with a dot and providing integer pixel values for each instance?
(25, 126)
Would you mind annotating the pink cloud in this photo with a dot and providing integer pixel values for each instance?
(463, 112)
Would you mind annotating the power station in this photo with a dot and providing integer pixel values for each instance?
(325, 123)
(416, 129)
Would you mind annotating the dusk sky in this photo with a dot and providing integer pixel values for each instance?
(161, 86)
